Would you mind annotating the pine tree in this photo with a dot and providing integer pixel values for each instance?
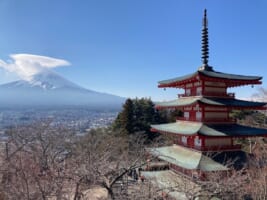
(125, 118)
(138, 114)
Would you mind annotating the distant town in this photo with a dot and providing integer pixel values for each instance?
(80, 119)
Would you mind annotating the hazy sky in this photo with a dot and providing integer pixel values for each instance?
(124, 47)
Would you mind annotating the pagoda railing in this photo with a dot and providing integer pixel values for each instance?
(230, 120)
(221, 148)
(219, 94)
(231, 94)
(214, 94)
(188, 95)
(181, 95)
(182, 118)
(211, 148)
(193, 119)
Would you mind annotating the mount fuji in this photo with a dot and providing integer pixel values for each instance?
(48, 88)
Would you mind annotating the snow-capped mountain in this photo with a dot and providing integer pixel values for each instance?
(46, 80)
(50, 89)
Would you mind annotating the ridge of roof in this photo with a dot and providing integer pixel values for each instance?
(186, 158)
(181, 78)
(190, 128)
(229, 76)
(216, 101)
(179, 127)
(211, 73)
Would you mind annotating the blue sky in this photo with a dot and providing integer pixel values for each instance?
(124, 47)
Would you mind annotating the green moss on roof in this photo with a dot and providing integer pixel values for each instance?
(186, 158)
(213, 74)
(181, 78)
(185, 101)
(179, 127)
(192, 128)
(231, 102)
(232, 130)
(229, 76)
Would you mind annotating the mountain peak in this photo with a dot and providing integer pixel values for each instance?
(49, 80)
(49, 88)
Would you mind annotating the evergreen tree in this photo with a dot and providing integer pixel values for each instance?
(125, 118)
(137, 115)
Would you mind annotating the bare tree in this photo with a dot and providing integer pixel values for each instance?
(104, 158)
(261, 95)
(34, 165)
(257, 171)
(43, 162)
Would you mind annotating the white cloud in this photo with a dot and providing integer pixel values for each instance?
(26, 65)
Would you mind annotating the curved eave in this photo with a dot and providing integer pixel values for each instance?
(186, 158)
(238, 107)
(215, 102)
(178, 103)
(178, 82)
(227, 76)
(169, 132)
(179, 127)
(188, 128)
(232, 130)
(231, 80)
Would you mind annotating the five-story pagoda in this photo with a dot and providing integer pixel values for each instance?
(206, 127)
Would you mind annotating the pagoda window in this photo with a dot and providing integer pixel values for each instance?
(198, 83)
(198, 116)
(197, 142)
(186, 115)
(188, 92)
(199, 91)
(184, 139)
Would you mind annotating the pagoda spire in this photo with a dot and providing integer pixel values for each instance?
(205, 44)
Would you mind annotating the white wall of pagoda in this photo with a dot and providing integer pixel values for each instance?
(204, 87)
(206, 113)
(203, 143)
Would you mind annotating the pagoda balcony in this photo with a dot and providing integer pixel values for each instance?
(231, 94)
(192, 119)
(213, 120)
(188, 95)
(182, 118)
(230, 120)
(213, 94)
(217, 94)
(211, 148)
(182, 95)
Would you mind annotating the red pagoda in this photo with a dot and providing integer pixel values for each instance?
(206, 127)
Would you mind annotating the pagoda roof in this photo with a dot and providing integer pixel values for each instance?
(186, 158)
(189, 128)
(235, 79)
(229, 102)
